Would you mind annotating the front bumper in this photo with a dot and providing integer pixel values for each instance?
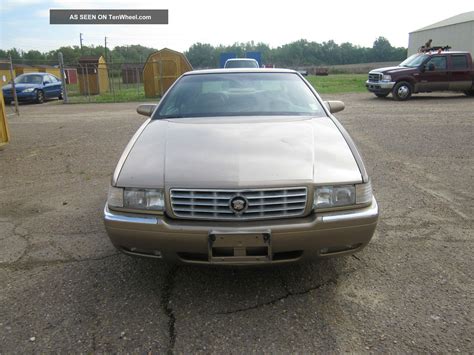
(380, 87)
(22, 96)
(318, 235)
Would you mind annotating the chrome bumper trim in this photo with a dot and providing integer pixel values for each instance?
(369, 212)
(116, 217)
(344, 216)
(381, 84)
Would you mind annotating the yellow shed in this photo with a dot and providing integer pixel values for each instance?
(49, 69)
(23, 69)
(4, 134)
(5, 76)
(161, 70)
(92, 75)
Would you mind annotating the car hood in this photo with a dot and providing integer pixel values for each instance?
(20, 87)
(238, 153)
(392, 70)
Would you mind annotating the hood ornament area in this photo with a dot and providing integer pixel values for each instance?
(238, 204)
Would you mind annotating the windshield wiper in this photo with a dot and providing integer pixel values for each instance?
(171, 116)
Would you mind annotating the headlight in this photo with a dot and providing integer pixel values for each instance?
(342, 195)
(136, 199)
(115, 197)
(29, 90)
(386, 78)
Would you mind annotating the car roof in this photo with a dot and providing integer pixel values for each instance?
(35, 73)
(234, 59)
(239, 70)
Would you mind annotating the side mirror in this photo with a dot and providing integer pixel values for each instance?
(146, 109)
(431, 67)
(46, 82)
(334, 106)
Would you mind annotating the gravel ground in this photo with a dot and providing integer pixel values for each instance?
(64, 287)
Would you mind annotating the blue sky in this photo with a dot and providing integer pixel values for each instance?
(25, 24)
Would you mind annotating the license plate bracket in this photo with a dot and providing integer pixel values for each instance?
(228, 247)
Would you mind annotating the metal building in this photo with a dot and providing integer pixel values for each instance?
(456, 32)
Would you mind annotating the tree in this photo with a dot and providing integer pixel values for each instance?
(382, 50)
(204, 55)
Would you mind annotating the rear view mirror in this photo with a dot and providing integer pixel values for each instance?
(146, 109)
(334, 106)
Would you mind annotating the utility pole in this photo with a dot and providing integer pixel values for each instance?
(105, 49)
(80, 40)
(63, 78)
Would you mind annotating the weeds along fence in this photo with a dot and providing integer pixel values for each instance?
(105, 82)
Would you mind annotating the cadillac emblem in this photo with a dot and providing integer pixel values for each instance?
(238, 204)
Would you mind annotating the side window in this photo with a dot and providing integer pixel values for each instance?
(436, 63)
(52, 79)
(459, 62)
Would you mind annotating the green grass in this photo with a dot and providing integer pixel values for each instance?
(120, 93)
(338, 83)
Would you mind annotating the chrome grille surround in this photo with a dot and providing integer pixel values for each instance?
(214, 204)
(375, 77)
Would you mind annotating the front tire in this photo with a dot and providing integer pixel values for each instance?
(39, 96)
(402, 91)
(382, 95)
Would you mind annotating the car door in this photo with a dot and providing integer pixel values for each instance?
(48, 87)
(58, 86)
(460, 73)
(435, 75)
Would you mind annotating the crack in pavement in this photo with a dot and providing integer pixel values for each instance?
(274, 301)
(34, 264)
(166, 293)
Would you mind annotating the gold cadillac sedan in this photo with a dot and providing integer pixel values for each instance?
(240, 167)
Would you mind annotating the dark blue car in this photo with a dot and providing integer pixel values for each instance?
(34, 87)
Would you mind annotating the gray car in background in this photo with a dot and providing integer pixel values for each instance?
(241, 63)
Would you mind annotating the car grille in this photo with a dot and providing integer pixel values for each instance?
(261, 204)
(375, 77)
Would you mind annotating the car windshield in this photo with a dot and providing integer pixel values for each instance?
(239, 94)
(242, 63)
(414, 61)
(29, 79)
